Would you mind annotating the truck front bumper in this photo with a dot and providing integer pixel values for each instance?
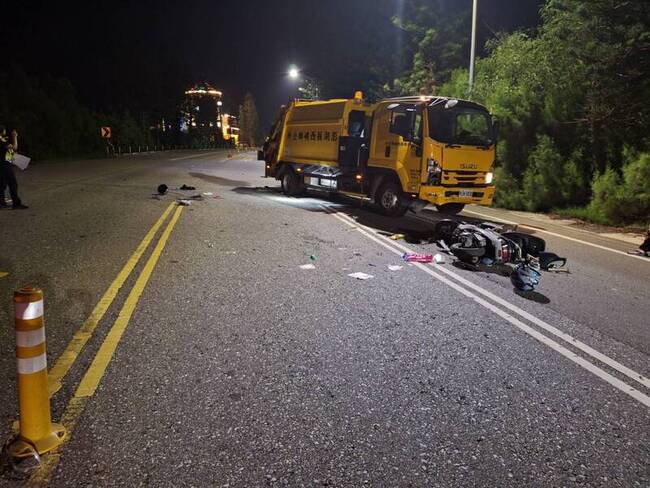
(439, 195)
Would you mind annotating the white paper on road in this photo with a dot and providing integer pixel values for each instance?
(307, 266)
(394, 267)
(360, 276)
(21, 161)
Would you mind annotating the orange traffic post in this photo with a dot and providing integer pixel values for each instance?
(37, 432)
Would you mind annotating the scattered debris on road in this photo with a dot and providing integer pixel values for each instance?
(184, 203)
(397, 237)
(411, 257)
(307, 266)
(185, 187)
(162, 189)
(439, 259)
(394, 267)
(360, 276)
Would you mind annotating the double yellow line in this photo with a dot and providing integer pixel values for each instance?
(97, 369)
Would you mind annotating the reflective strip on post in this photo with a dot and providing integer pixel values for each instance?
(30, 338)
(29, 310)
(32, 365)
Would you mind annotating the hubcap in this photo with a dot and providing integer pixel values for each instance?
(389, 200)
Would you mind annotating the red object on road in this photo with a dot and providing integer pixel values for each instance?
(412, 257)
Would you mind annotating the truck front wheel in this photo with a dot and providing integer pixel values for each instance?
(451, 208)
(389, 199)
(291, 184)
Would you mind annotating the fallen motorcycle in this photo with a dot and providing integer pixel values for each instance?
(488, 244)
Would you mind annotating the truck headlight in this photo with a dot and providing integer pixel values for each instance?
(434, 172)
(488, 178)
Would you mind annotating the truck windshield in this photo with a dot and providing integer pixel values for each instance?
(461, 125)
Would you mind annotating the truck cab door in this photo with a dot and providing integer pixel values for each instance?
(406, 123)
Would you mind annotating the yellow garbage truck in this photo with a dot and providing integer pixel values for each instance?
(402, 153)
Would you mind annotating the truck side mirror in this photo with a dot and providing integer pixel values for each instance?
(496, 127)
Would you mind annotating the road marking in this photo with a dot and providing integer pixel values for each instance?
(97, 369)
(69, 356)
(196, 156)
(537, 229)
(592, 368)
(540, 323)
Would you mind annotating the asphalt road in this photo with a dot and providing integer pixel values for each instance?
(229, 365)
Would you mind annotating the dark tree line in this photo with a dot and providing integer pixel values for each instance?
(573, 99)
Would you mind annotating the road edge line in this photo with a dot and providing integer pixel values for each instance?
(569, 339)
(562, 350)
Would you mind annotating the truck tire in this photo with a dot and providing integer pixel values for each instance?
(389, 199)
(451, 208)
(291, 184)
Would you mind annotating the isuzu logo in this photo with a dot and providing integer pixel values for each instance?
(468, 166)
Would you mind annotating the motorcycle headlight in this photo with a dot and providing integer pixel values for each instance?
(488, 178)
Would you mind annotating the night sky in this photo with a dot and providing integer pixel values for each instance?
(141, 54)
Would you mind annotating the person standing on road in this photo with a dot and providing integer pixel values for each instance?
(8, 147)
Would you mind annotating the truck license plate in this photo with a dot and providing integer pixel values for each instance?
(466, 193)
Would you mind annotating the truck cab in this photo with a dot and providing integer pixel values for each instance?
(442, 150)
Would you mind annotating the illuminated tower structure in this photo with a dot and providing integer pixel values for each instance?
(202, 112)
(230, 128)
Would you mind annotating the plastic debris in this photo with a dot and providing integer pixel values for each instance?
(397, 237)
(412, 257)
(394, 267)
(360, 276)
(307, 266)
(208, 193)
(439, 258)
(184, 203)
(185, 187)
(313, 258)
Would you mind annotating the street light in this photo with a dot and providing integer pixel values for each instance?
(473, 48)
(294, 73)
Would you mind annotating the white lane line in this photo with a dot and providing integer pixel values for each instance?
(522, 313)
(536, 229)
(612, 380)
(196, 156)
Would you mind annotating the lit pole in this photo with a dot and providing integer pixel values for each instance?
(473, 47)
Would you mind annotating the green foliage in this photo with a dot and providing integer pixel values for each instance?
(51, 122)
(570, 100)
(623, 200)
(509, 193)
(438, 45)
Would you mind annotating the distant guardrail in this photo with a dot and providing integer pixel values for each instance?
(115, 151)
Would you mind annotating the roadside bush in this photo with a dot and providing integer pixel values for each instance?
(508, 190)
(624, 200)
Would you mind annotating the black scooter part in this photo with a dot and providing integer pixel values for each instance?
(470, 255)
(550, 260)
(529, 244)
